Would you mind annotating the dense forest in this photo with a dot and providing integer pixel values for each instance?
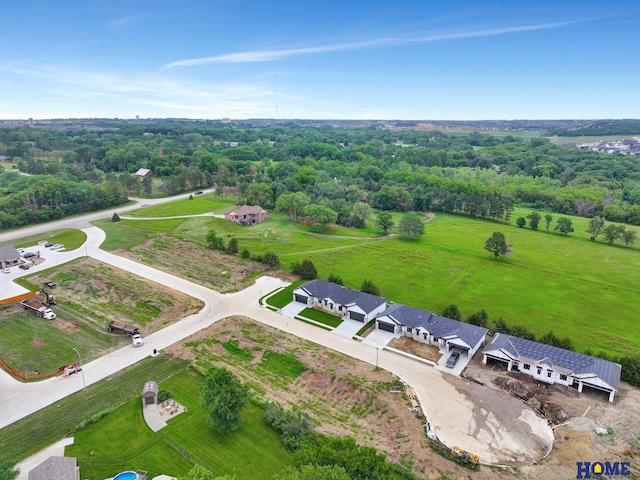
(64, 171)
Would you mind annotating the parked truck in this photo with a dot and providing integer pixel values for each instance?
(137, 340)
(39, 308)
(121, 327)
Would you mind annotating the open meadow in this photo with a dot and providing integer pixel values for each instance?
(550, 282)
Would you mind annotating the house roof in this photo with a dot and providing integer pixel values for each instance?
(143, 171)
(343, 295)
(60, 468)
(8, 254)
(248, 210)
(434, 323)
(577, 363)
(150, 386)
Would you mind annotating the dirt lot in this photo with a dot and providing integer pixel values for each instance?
(212, 269)
(586, 426)
(343, 395)
(347, 397)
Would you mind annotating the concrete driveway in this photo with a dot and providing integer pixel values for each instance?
(293, 309)
(501, 429)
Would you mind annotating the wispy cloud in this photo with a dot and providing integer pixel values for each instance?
(125, 21)
(272, 55)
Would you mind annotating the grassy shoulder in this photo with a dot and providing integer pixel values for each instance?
(65, 417)
(322, 317)
(70, 238)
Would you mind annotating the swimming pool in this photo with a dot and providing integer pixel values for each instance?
(126, 476)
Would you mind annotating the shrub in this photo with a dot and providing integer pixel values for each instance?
(271, 258)
(163, 395)
(115, 217)
(245, 253)
(306, 269)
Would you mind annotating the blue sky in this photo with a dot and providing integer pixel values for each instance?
(349, 59)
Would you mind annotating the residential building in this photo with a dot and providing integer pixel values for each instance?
(9, 256)
(549, 364)
(430, 328)
(145, 172)
(247, 215)
(339, 300)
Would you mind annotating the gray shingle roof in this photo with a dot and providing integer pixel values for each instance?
(434, 323)
(575, 362)
(58, 468)
(8, 254)
(343, 295)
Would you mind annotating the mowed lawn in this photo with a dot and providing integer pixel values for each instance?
(577, 288)
(255, 451)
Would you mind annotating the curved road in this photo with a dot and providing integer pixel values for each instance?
(500, 428)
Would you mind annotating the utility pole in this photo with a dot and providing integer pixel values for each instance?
(84, 384)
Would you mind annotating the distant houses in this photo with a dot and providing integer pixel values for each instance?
(623, 147)
(247, 215)
(549, 364)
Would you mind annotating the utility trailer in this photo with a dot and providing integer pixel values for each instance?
(39, 308)
(121, 327)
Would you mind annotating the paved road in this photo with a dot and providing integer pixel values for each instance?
(500, 429)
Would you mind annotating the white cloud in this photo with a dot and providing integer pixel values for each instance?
(271, 55)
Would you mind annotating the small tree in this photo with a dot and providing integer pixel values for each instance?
(115, 217)
(308, 269)
(612, 232)
(453, 312)
(629, 237)
(497, 244)
(190, 197)
(521, 222)
(223, 396)
(534, 220)
(479, 318)
(232, 246)
(563, 225)
(595, 226)
(411, 226)
(213, 241)
(245, 253)
(198, 472)
(369, 287)
(385, 221)
(334, 279)
(271, 259)
(548, 218)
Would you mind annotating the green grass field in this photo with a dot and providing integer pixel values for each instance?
(589, 139)
(549, 283)
(70, 238)
(255, 451)
(48, 425)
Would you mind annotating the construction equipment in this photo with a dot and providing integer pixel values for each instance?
(39, 308)
(473, 459)
(49, 298)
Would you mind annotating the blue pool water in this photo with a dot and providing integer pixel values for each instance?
(126, 476)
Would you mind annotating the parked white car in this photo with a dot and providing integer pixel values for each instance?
(6, 270)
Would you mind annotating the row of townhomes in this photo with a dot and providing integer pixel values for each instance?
(542, 362)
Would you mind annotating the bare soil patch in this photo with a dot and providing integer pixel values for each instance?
(66, 326)
(36, 342)
(422, 350)
(578, 417)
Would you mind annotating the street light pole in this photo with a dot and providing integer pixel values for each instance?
(84, 384)
(377, 352)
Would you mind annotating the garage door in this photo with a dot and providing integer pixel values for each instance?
(356, 316)
(301, 298)
(388, 327)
